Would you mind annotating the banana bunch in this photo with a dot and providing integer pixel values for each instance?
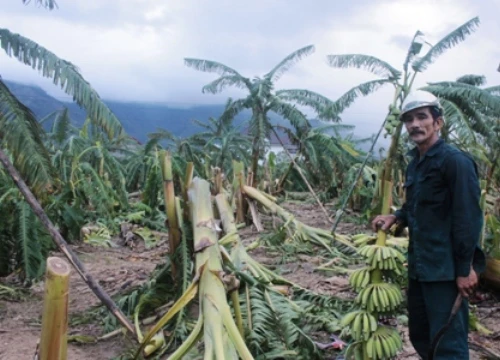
(359, 278)
(392, 120)
(397, 241)
(380, 297)
(360, 240)
(383, 257)
(383, 344)
(375, 296)
(361, 324)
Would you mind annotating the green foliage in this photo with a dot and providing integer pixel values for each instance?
(446, 43)
(367, 62)
(20, 134)
(24, 242)
(64, 74)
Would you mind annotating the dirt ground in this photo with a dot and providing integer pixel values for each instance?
(123, 268)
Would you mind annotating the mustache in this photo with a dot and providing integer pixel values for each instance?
(416, 131)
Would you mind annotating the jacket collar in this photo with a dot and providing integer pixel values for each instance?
(433, 150)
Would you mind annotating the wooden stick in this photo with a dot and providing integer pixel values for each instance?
(63, 245)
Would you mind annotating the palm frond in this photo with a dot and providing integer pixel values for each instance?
(61, 126)
(288, 62)
(363, 89)
(64, 74)
(413, 50)
(49, 4)
(367, 62)
(474, 80)
(289, 112)
(21, 134)
(211, 66)
(233, 108)
(478, 98)
(162, 134)
(308, 98)
(223, 82)
(7, 246)
(471, 101)
(493, 90)
(337, 128)
(29, 247)
(446, 43)
(455, 116)
(153, 185)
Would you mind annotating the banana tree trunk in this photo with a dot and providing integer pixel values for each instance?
(54, 338)
(237, 196)
(174, 234)
(221, 335)
(255, 161)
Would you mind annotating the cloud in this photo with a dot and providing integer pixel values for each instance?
(134, 50)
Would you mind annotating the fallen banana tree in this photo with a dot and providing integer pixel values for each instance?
(301, 232)
(244, 310)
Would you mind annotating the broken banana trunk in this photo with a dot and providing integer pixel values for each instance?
(215, 324)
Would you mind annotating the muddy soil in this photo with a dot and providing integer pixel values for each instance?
(120, 269)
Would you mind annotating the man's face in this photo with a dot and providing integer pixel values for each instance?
(421, 126)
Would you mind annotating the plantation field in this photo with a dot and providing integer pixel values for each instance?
(119, 270)
(211, 246)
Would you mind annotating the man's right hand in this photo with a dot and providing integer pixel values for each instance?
(386, 221)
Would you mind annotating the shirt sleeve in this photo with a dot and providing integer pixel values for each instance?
(401, 215)
(467, 216)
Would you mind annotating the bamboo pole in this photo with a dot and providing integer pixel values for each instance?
(54, 337)
(63, 245)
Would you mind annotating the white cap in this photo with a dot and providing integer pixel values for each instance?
(418, 99)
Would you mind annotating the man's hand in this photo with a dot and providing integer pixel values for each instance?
(386, 221)
(467, 285)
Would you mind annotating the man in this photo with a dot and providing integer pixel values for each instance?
(444, 221)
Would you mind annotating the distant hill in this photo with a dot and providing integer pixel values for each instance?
(138, 118)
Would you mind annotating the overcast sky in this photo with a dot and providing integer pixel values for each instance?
(134, 49)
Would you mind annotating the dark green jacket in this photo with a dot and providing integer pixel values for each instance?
(443, 214)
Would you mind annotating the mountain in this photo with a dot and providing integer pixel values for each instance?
(138, 118)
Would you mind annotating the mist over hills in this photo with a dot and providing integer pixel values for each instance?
(139, 118)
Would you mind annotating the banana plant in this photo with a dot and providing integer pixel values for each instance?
(24, 243)
(402, 81)
(323, 153)
(473, 118)
(262, 99)
(377, 295)
(222, 141)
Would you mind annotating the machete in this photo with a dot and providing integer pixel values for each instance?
(437, 338)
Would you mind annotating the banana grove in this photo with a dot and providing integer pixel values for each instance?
(62, 185)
